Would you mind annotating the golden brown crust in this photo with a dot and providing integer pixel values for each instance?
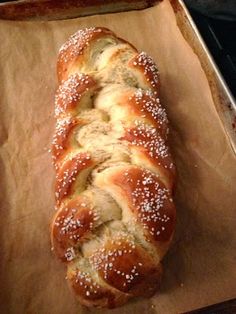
(147, 105)
(127, 267)
(149, 145)
(69, 172)
(92, 293)
(143, 63)
(114, 172)
(63, 137)
(74, 48)
(70, 93)
(149, 200)
(71, 224)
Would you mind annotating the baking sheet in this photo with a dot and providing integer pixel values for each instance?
(63, 9)
(200, 266)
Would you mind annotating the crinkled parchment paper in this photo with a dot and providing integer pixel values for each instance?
(200, 266)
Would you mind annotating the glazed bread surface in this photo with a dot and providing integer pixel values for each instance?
(115, 215)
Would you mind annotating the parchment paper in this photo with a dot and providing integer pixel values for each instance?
(200, 266)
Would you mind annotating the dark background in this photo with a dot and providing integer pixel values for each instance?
(219, 33)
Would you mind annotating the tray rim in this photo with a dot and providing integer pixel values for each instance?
(181, 9)
(225, 103)
(41, 10)
(64, 9)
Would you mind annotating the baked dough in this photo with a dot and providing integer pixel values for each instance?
(115, 215)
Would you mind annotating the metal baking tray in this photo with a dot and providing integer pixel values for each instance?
(224, 101)
(51, 9)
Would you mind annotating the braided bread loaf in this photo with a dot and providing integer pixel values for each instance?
(114, 173)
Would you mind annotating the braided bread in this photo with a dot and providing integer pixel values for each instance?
(115, 215)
